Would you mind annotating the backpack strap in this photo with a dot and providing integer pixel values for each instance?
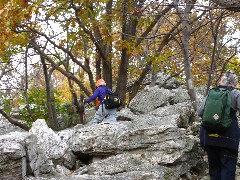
(108, 91)
(229, 89)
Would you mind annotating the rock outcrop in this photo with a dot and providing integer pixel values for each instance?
(50, 143)
(156, 137)
(20, 156)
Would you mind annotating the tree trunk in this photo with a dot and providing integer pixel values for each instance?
(98, 66)
(107, 64)
(186, 54)
(104, 49)
(215, 31)
(128, 29)
(26, 89)
(75, 104)
(50, 98)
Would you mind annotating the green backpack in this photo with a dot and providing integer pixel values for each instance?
(216, 114)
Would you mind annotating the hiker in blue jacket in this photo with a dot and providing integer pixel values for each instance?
(222, 148)
(109, 114)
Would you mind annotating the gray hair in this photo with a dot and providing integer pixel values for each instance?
(229, 79)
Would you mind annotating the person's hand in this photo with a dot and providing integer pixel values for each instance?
(84, 103)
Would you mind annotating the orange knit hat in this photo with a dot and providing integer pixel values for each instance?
(100, 82)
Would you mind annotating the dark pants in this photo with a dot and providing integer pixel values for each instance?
(222, 162)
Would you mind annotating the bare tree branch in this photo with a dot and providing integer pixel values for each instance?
(13, 121)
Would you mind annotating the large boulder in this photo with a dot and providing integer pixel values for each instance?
(20, 157)
(158, 145)
(151, 98)
(52, 145)
(177, 115)
(162, 80)
(127, 166)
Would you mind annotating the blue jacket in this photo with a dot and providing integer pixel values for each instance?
(99, 93)
(229, 138)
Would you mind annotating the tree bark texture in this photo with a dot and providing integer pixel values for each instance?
(215, 31)
(13, 121)
(26, 88)
(107, 63)
(232, 5)
(186, 54)
(128, 31)
(50, 98)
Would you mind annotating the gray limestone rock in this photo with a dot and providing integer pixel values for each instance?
(52, 145)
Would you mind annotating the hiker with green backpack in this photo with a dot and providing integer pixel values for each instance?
(219, 132)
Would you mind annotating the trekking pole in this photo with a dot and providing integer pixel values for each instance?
(83, 113)
(82, 109)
